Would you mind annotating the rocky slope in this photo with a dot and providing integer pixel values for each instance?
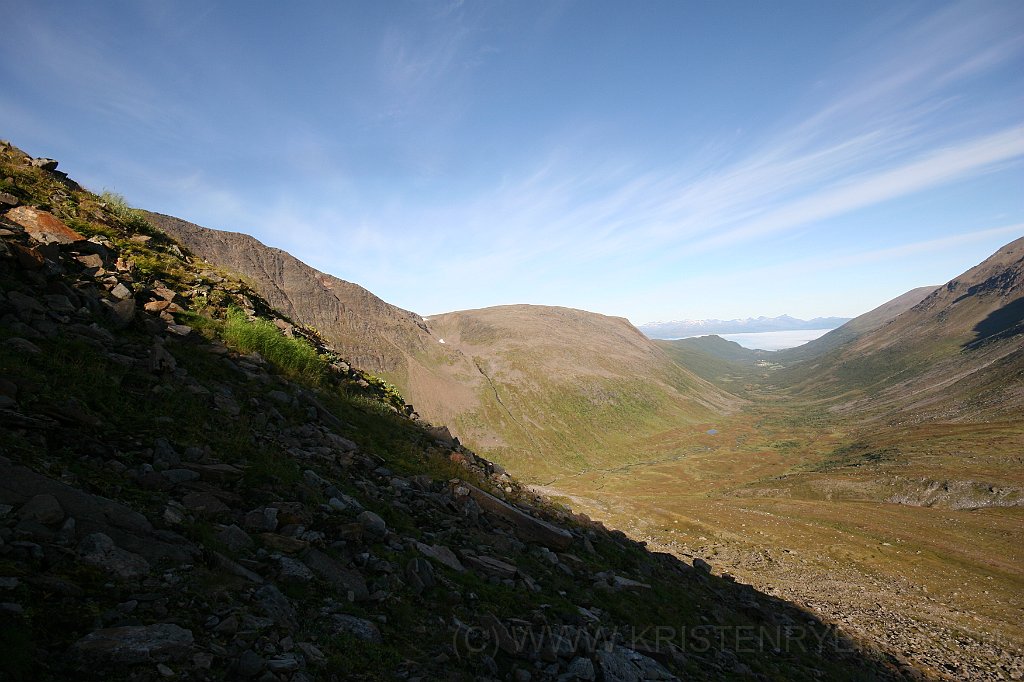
(857, 327)
(193, 487)
(539, 389)
(957, 355)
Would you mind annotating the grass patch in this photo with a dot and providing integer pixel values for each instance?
(295, 357)
(131, 218)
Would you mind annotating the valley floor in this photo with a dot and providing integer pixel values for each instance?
(871, 531)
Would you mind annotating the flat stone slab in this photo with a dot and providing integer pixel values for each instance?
(137, 644)
(528, 528)
(42, 226)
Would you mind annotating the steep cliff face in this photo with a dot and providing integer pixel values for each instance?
(373, 333)
(376, 335)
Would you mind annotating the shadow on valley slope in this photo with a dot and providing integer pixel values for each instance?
(1004, 323)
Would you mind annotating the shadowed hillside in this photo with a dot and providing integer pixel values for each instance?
(542, 390)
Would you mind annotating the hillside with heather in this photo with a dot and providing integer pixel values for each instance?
(196, 487)
(199, 483)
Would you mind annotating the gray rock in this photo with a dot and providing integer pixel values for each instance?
(44, 509)
(45, 163)
(294, 571)
(59, 303)
(499, 634)
(286, 663)
(179, 476)
(373, 524)
(234, 538)
(625, 665)
(346, 581)
(419, 574)
(226, 404)
(581, 669)
(250, 664)
(492, 566)
(360, 628)
(312, 653)
(164, 452)
(528, 528)
(68, 532)
(121, 292)
(261, 519)
(22, 345)
(120, 313)
(136, 644)
(277, 606)
(702, 565)
(204, 503)
(24, 305)
(99, 550)
(442, 555)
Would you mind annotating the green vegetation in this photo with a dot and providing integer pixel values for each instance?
(131, 218)
(295, 357)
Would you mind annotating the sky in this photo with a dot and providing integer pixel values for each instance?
(658, 160)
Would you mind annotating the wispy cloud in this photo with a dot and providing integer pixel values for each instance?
(895, 127)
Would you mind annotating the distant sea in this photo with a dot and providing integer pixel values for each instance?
(776, 340)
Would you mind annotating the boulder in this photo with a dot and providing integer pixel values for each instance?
(99, 550)
(360, 628)
(499, 634)
(22, 346)
(44, 509)
(419, 574)
(276, 606)
(625, 665)
(346, 581)
(136, 644)
(126, 527)
(372, 524)
(492, 566)
(234, 538)
(42, 226)
(442, 555)
(528, 528)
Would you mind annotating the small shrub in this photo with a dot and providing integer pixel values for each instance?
(132, 218)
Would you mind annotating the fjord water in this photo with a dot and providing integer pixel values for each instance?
(779, 340)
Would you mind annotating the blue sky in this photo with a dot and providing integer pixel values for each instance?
(656, 160)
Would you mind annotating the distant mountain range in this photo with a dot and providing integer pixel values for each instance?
(680, 328)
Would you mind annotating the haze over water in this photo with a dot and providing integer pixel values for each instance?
(776, 340)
